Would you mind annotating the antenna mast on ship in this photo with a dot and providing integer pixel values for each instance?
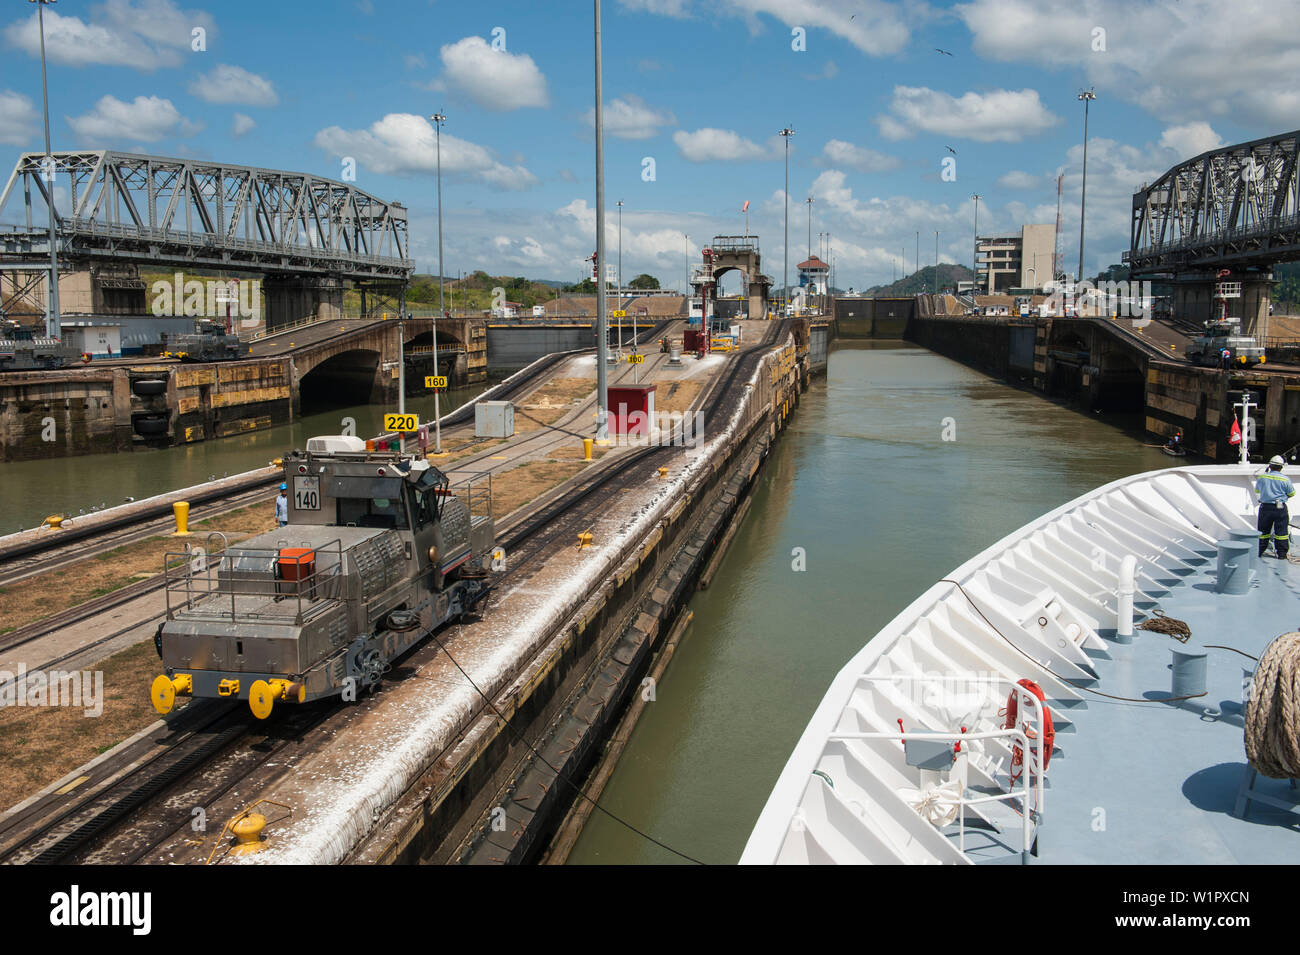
(1245, 405)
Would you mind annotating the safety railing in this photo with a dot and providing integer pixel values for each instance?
(253, 584)
(476, 492)
(1031, 807)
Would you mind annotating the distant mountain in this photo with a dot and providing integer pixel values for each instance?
(923, 281)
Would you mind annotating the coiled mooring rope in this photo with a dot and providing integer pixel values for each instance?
(1273, 710)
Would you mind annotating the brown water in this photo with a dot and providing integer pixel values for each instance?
(882, 506)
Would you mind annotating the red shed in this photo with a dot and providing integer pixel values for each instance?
(631, 409)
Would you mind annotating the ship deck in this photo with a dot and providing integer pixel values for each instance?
(1135, 776)
(1158, 782)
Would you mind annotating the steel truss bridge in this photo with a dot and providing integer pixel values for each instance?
(154, 210)
(1234, 207)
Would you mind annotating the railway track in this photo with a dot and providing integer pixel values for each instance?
(125, 808)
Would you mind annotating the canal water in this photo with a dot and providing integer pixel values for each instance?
(73, 485)
(865, 488)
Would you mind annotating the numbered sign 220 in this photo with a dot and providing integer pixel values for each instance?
(401, 422)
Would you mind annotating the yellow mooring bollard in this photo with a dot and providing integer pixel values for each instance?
(182, 511)
(586, 448)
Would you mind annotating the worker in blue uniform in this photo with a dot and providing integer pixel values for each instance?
(1274, 490)
(282, 506)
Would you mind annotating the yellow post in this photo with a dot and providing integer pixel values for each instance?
(182, 511)
(586, 448)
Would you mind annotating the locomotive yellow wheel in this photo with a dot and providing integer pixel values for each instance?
(261, 699)
(163, 694)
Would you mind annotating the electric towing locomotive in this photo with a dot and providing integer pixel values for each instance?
(379, 551)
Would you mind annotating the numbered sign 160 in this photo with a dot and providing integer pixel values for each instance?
(401, 422)
(435, 381)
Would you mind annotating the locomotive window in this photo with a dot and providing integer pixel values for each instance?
(372, 512)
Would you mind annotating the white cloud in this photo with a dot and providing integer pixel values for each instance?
(708, 144)
(144, 35)
(995, 116)
(241, 124)
(841, 153)
(404, 144)
(630, 117)
(1191, 139)
(234, 84)
(1015, 179)
(875, 27)
(493, 79)
(145, 119)
(18, 119)
(1180, 62)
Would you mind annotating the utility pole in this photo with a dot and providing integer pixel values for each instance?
(52, 329)
(438, 120)
(975, 248)
(1087, 96)
(602, 317)
(620, 282)
(786, 133)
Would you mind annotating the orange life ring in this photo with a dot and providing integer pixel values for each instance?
(1049, 732)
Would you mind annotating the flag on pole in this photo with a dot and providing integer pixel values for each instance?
(745, 207)
(1234, 436)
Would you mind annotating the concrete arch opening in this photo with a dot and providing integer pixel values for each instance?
(348, 378)
(1122, 383)
(452, 355)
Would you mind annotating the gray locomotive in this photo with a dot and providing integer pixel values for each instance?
(208, 342)
(378, 552)
(22, 349)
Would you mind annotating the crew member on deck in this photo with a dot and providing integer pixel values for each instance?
(1274, 489)
(282, 506)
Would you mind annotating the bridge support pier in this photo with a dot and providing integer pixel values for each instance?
(1194, 299)
(296, 298)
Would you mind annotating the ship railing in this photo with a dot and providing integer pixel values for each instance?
(1030, 795)
(202, 580)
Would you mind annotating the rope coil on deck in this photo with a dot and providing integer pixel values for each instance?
(1273, 710)
(1159, 623)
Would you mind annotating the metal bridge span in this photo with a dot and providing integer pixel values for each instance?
(297, 230)
(1236, 208)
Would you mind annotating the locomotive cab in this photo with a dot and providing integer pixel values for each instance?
(379, 551)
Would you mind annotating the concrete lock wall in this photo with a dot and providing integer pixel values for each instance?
(79, 411)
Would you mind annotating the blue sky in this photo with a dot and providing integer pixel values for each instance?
(701, 88)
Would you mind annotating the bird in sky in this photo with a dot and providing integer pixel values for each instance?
(944, 52)
(951, 150)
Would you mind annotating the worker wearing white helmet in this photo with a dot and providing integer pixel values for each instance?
(1274, 490)
(282, 506)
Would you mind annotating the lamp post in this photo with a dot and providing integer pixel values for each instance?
(1087, 96)
(936, 263)
(602, 316)
(809, 200)
(620, 281)
(438, 120)
(47, 170)
(975, 250)
(786, 133)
